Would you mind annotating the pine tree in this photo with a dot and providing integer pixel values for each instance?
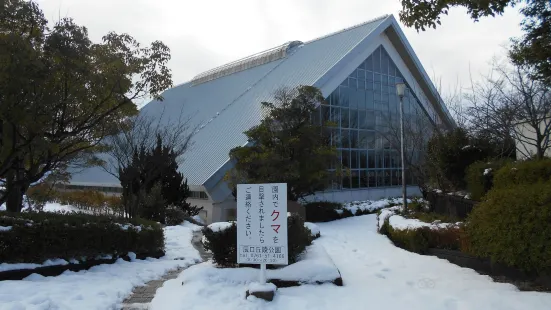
(151, 169)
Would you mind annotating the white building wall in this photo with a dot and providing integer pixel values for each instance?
(207, 212)
(524, 149)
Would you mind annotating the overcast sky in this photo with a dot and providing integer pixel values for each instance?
(203, 34)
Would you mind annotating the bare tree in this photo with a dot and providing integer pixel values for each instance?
(508, 104)
(490, 116)
(142, 131)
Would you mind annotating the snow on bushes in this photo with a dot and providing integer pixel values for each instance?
(314, 229)
(37, 237)
(324, 211)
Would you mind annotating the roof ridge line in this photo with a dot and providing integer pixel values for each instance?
(244, 92)
(349, 28)
(355, 45)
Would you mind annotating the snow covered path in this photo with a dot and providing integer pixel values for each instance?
(376, 274)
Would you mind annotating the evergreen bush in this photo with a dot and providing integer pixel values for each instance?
(480, 176)
(524, 172)
(36, 237)
(322, 211)
(511, 226)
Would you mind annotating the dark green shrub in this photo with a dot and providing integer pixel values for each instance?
(174, 216)
(322, 211)
(512, 226)
(413, 240)
(450, 153)
(223, 244)
(298, 237)
(421, 239)
(526, 172)
(480, 176)
(36, 237)
(346, 213)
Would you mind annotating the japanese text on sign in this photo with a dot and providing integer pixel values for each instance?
(262, 224)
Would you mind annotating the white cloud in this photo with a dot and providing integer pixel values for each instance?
(204, 34)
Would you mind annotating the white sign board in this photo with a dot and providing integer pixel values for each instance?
(262, 224)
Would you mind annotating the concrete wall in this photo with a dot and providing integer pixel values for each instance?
(524, 149)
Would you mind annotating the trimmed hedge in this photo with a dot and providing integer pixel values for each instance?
(36, 237)
(324, 211)
(512, 226)
(421, 239)
(223, 244)
(526, 172)
(479, 183)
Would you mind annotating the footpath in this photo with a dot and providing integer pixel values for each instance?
(142, 296)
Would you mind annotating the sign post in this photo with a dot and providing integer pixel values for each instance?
(262, 225)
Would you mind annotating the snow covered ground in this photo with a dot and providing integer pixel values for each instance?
(101, 287)
(376, 275)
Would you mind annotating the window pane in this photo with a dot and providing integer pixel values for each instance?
(377, 94)
(387, 161)
(362, 119)
(363, 179)
(379, 160)
(380, 178)
(325, 114)
(384, 63)
(361, 74)
(362, 158)
(334, 98)
(396, 177)
(387, 177)
(345, 160)
(336, 138)
(371, 139)
(372, 178)
(354, 160)
(345, 82)
(353, 118)
(353, 74)
(345, 138)
(369, 78)
(352, 83)
(316, 116)
(346, 182)
(371, 159)
(355, 178)
(362, 139)
(344, 96)
(336, 116)
(360, 97)
(370, 120)
(345, 123)
(369, 63)
(354, 139)
(369, 99)
(377, 60)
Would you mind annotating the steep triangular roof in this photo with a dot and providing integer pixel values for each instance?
(225, 101)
